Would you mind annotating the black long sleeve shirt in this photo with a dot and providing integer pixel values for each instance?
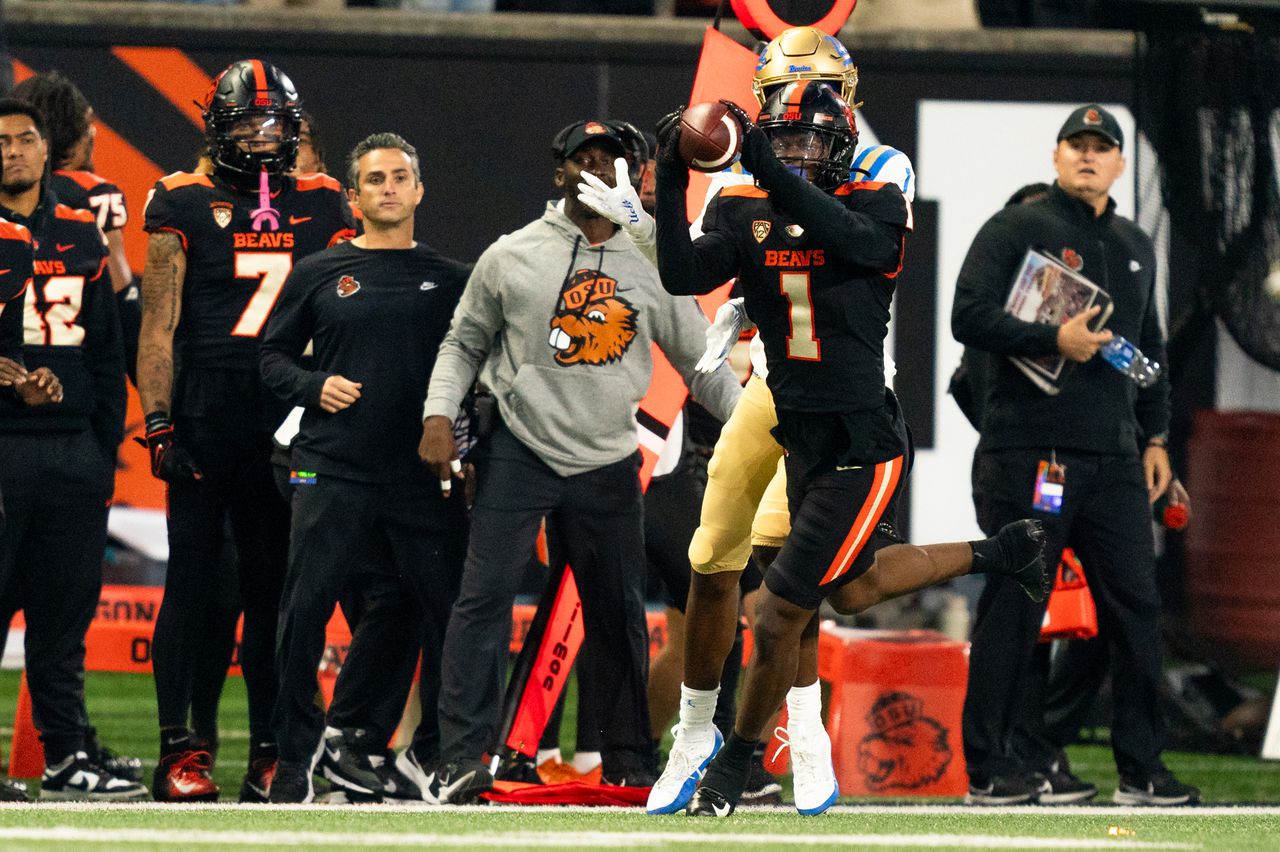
(376, 317)
(1098, 409)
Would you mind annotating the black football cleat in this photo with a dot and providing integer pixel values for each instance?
(1017, 551)
(710, 803)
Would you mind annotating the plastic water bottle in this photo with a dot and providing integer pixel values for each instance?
(1128, 359)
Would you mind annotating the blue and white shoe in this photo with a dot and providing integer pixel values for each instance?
(813, 775)
(690, 754)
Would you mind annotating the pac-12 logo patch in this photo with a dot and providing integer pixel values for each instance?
(347, 286)
(1072, 259)
(760, 229)
(221, 212)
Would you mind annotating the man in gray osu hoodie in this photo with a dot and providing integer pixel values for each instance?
(557, 320)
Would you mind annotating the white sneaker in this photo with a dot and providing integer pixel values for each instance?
(811, 771)
(690, 754)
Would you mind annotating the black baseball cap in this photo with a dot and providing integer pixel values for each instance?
(573, 137)
(1092, 118)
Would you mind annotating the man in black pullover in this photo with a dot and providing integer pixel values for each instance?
(376, 310)
(1088, 437)
(57, 462)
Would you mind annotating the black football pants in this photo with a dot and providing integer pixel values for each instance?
(1106, 519)
(600, 516)
(343, 530)
(56, 491)
(237, 488)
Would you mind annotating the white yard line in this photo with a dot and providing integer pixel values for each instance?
(575, 839)
(480, 810)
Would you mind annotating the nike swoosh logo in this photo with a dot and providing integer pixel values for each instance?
(298, 220)
(61, 247)
(447, 790)
(3, 271)
(186, 786)
(721, 810)
(334, 755)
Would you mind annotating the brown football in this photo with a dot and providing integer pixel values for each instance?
(710, 136)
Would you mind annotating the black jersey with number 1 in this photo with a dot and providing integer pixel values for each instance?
(818, 280)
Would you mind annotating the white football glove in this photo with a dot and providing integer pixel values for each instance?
(722, 334)
(619, 204)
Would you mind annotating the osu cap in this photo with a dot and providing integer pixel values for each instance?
(573, 137)
(1092, 118)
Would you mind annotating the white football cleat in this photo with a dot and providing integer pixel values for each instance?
(690, 754)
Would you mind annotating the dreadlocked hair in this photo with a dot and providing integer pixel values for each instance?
(65, 110)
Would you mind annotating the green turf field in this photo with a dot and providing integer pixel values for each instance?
(123, 708)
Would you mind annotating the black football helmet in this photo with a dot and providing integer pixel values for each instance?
(811, 129)
(637, 149)
(249, 89)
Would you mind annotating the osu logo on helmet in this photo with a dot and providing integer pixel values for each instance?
(592, 323)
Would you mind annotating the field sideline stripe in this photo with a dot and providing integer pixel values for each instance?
(588, 839)
(477, 810)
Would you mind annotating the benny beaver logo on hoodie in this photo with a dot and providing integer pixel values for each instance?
(592, 323)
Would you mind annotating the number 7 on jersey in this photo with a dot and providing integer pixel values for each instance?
(271, 269)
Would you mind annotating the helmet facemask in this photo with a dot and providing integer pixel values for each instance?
(812, 131)
(251, 105)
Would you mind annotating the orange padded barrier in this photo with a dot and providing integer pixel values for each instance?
(894, 712)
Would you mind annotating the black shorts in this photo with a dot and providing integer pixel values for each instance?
(844, 504)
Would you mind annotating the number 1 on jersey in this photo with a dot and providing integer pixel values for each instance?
(271, 269)
(802, 343)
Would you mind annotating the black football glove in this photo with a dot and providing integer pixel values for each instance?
(668, 132)
(169, 461)
(755, 144)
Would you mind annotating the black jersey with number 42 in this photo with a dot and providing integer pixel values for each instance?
(822, 310)
(234, 273)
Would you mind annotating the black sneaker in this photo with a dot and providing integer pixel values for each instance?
(762, 787)
(409, 766)
(1056, 785)
(1160, 789)
(634, 778)
(710, 803)
(515, 766)
(1021, 550)
(75, 777)
(119, 765)
(13, 791)
(1000, 790)
(395, 784)
(291, 784)
(461, 782)
(347, 766)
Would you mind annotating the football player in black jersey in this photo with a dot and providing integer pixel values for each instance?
(221, 247)
(57, 462)
(70, 118)
(816, 257)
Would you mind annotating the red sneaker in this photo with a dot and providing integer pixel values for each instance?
(184, 777)
(257, 780)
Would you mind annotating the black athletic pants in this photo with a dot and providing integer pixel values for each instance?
(56, 491)
(1106, 519)
(238, 487)
(600, 516)
(393, 533)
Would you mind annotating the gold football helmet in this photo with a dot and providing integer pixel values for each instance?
(805, 53)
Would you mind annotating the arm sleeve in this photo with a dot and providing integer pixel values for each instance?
(476, 323)
(288, 330)
(11, 329)
(871, 238)
(104, 359)
(978, 318)
(1153, 407)
(686, 267)
(680, 335)
(15, 258)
